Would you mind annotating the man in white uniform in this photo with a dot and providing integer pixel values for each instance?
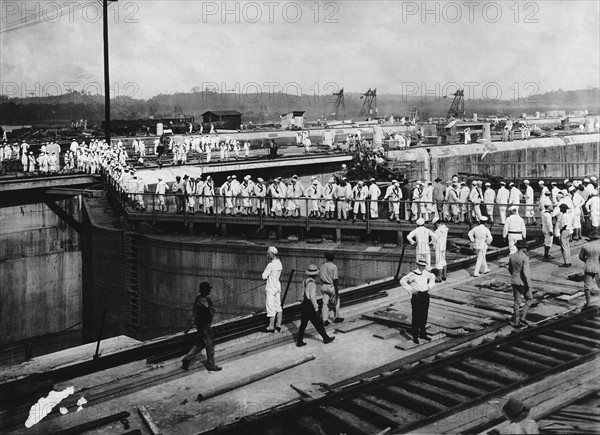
(272, 274)
(529, 210)
(514, 229)
(374, 192)
(502, 201)
(481, 238)
(422, 236)
(439, 246)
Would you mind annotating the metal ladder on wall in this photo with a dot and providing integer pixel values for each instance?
(133, 309)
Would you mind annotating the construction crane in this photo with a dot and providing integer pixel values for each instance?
(339, 107)
(369, 106)
(457, 109)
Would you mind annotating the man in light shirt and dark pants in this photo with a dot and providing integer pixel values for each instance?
(330, 290)
(418, 283)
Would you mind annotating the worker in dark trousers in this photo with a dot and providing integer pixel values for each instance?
(310, 308)
(518, 267)
(203, 315)
(418, 283)
(590, 255)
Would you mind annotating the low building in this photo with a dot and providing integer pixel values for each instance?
(222, 119)
(293, 119)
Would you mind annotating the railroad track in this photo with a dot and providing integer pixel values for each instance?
(18, 396)
(410, 398)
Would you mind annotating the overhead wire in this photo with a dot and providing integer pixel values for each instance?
(33, 19)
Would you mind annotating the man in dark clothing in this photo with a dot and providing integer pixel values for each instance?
(310, 309)
(518, 267)
(203, 314)
(406, 195)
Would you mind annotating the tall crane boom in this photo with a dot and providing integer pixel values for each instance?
(457, 109)
(369, 107)
(339, 107)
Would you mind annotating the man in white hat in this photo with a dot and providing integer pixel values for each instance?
(246, 193)
(515, 195)
(226, 192)
(463, 196)
(161, 189)
(374, 193)
(563, 230)
(593, 208)
(476, 198)
(393, 194)
(328, 194)
(439, 247)
(587, 185)
(314, 192)
(360, 192)
(514, 229)
(489, 197)
(258, 201)
(481, 237)
(554, 191)
(423, 237)
(502, 201)
(271, 274)
(278, 192)
(529, 200)
(547, 230)
(208, 193)
(418, 283)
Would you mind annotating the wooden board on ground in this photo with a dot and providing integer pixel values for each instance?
(484, 291)
(454, 306)
(460, 298)
(439, 311)
(480, 296)
(409, 344)
(353, 325)
(403, 319)
(384, 334)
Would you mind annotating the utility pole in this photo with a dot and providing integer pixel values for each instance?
(106, 73)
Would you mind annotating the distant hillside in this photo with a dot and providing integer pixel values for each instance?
(267, 107)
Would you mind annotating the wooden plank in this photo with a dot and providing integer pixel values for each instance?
(492, 370)
(349, 420)
(454, 306)
(464, 375)
(353, 325)
(476, 303)
(560, 343)
(414, 401)
(402, 414)
(145, 415)
(444, 396)
(531, 355)
(483, 292)
(409, 344)
(513, 360)
(387, 333)
(461, 387)
(584, 330)
(458, 316)
(382, 416)
(570, 297)
(476, 296)
(576, 338)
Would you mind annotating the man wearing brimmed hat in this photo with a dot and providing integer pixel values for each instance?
(481, 237)
(422, 237)
(418, 283)
(590, 254)
(309, 308)
(514, 229)
(202, 317)
(330, 290)
(517, 414)
(563, 230)
(518, 267)
(271, 274)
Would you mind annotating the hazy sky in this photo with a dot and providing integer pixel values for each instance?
(507, 47)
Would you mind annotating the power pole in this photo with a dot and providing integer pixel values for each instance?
(106, 72)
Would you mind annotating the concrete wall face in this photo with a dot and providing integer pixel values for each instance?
(40, 271)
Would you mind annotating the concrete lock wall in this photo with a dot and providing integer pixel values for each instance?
(40, 271)
(556, 157)
(171, 267)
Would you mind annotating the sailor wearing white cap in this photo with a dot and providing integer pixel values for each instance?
(161, 188)
(418, 283)
(208, 194)
(328, 190)
(439, 247)
(563, 229)
(463, 196)
(554, 193)
(593, 208)
(423, 237)
(577, 202)
(374, 192)
(489, 197)
(246, 193)
(419, 207)
(360, 192)
(272, 274)
(514, 229)
(515, 195)
(393, 194)
(278, 191)
(529, 200)
(258, 201)
(502, 201)
(314, 192)
(481, 237)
